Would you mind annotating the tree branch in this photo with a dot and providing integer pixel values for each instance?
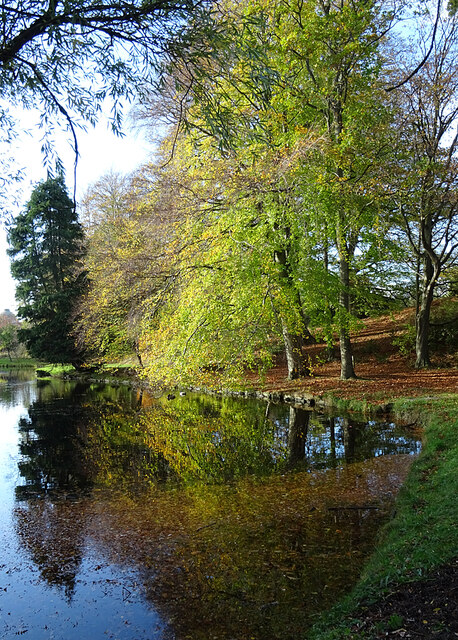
(63, 111)
(425, 58)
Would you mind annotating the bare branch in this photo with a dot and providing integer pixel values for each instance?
(426, 57)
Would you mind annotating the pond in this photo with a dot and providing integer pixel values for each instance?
(129, 517)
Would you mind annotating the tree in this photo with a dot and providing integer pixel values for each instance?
(127, 261)
(8, 333)
(294, 99)
(109, 199)
(340, 88)
(231, 297)
(46, 247)
(66, 59)
(427, 173)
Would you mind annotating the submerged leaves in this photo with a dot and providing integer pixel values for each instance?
(193, 508)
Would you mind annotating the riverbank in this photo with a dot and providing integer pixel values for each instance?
(409, 588)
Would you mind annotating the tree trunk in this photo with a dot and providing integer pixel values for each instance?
(308, 337)
(297, 434)
(422, 338)
(349, 433)
(345, 246)
(332, 437)
(294, 356)
(422, 319)
(293, 341)
(347, 370)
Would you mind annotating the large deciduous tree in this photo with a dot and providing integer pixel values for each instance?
(293, 99)
(126, 262)
(335, 83)
(426, 174)
(46, 248)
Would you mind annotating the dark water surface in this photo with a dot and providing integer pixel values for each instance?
(124, 516)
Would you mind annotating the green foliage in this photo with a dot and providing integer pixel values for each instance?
(425, 173)
(444, 324)
(443, 329)
(46, 247)
(281, 197)
(54, 370)
(9, 340)
(406, 340)
(231, 298)
(126, 263)
(270, 209)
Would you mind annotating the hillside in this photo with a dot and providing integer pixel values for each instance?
(383, 371)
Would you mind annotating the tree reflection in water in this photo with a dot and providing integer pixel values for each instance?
(298, 426)
(198, 499)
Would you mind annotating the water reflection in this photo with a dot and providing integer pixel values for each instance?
(53, 533)
(16, 387)
(298, 426)
(196, 513)
(52, 446)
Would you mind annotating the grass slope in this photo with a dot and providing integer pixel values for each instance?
(419, 545)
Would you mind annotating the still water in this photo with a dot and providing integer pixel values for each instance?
(124, 516)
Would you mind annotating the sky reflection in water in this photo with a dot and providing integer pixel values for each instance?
(133, 518)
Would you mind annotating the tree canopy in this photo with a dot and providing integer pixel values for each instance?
(306, 178)
(68, 60)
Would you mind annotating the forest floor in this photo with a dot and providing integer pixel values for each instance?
(383, 372)
(426, 608)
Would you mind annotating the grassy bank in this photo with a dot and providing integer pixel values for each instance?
(421, 537)
(17, 363)
(30, 363)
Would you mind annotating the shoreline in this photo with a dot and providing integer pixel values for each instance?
(368, 612)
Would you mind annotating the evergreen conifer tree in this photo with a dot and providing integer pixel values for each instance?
(46, 247)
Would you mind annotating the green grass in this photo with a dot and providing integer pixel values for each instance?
(30, 363)
(114, 368)
(6, 363)
(55, 369)
(423, 533)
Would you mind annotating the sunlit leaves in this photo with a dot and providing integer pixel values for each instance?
(282, 133)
